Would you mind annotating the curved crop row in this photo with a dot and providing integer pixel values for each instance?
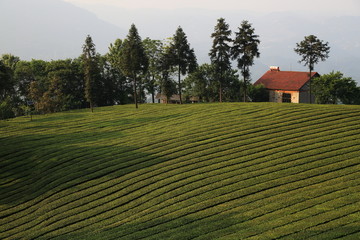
(190, 171)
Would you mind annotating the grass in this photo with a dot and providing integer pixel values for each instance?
(203, 171)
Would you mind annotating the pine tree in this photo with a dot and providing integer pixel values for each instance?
(153, 49)
(244, 50)
(312, 50)
(133, 59)
(182, 56)
(90, 70)
(220, 52)
(167, 85)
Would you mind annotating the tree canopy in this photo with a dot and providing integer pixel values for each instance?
(220, 52)
(133, 65)
(334, 88)
(181, 56)
(244, 50)
(133, 58)
(312, 50)
(91, 71)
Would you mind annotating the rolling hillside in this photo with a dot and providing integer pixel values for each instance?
(205, 171)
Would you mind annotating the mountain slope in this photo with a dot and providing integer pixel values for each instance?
(54, 29)
(224, 171)
(279, 32)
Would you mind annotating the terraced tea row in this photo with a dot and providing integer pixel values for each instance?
(193, 171)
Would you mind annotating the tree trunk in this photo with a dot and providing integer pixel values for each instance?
(153, 89)
(310, 70)
(220, 85)
(140, 92)
(310, 88)
(179, 76)
(244, 92)
(220, 92)
(245, 86)
(135, 92)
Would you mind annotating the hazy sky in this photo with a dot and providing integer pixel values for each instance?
(334, 7)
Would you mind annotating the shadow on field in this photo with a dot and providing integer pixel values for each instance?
(228, 226)
(40, 166)
(54, 118)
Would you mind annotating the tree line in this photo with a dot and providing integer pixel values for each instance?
(134, 68)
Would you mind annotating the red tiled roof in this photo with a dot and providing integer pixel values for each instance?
(284, 80)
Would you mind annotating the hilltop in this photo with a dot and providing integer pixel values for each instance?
(56, 29)
(204, 171)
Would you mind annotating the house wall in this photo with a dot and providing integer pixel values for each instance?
(277, 96)
(304, 94)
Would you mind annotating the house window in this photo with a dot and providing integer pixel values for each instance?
(286, 97)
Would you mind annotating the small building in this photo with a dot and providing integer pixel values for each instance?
(174, 99)
(287, 86)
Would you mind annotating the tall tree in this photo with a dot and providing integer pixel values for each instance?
(27, 72)
(182, 56)
(133, 59)
(154, 50)
(67, 75)
(244, 50)
(6, 83)
(90, 70)
(334, 88)
(203, 83)
(167, 84)
(8, 86)
(220, 52)
(10, 60)
(312, 50)
(124, 88)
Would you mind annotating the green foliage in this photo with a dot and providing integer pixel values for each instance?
(114, 54)
(70, 76)
(167, 84)
(6, 109)
(334, 88)
(203, 84)
(181, 56)
(220, 52)
(154, 51)
(6, 81)
(132, 54)
(312, 50)
(27, 72)
(133, 58)
(244, 50)
(10, 61)
(91, 71)
(205, 171)
(258, 93)
(112, 68)
(168, 87)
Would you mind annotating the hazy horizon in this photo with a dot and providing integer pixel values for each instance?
(322, 7)
(56, 29)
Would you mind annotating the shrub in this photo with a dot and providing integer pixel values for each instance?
(6, 109)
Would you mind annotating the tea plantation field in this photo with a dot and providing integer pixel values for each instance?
(202, 171)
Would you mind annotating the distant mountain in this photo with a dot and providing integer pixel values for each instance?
(51, 29)
(279, 32)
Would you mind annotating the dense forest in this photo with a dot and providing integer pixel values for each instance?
(134, 69)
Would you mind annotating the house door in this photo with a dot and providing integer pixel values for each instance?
(286, 97)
